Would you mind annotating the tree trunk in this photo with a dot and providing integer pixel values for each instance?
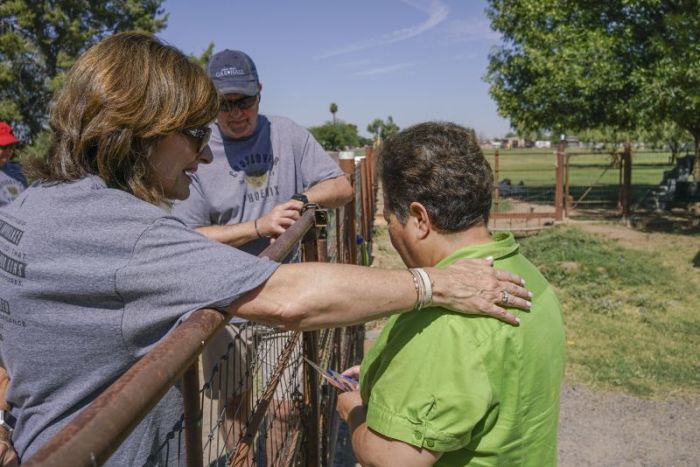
(675, 147)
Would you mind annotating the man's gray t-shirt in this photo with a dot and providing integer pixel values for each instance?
(248, 177)
(91, 278)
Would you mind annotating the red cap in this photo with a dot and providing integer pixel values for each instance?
(6, 136)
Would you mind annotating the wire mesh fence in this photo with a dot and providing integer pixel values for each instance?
(595, 179)
(525, 195)
(535, 188)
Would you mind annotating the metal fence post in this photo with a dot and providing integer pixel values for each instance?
(193, 415)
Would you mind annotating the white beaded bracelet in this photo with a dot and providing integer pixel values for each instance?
(424, 288)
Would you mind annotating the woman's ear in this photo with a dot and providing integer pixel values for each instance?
(420, 219)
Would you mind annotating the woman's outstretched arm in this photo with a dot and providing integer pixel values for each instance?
(308, 296)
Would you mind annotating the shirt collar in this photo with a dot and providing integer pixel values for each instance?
(503, 244)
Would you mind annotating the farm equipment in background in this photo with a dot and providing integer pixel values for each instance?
(676, 189)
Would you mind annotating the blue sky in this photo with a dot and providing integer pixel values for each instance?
(415, 60)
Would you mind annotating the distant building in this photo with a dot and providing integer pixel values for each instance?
(572, 142)
(514, 142)
(492, 144)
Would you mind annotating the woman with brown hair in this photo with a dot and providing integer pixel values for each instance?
(94, 271)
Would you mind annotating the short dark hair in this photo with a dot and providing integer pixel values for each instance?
(441, 166)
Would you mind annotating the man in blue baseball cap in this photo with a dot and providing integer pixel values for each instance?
(264, 170)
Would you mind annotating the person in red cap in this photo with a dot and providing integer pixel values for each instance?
(12, 181)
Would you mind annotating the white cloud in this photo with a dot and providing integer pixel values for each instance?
(355, 63)
(385, 70)
(437, 13)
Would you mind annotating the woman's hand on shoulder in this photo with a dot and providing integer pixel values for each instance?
(473, 286)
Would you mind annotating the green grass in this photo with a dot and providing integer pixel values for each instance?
(632, 318)
(537, 168)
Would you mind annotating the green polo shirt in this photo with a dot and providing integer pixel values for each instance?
(481, 391)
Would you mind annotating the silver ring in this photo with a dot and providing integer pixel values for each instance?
(505, 297)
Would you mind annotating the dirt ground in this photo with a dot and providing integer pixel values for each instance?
(616, 429)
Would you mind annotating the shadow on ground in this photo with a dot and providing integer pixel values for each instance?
(678, 221)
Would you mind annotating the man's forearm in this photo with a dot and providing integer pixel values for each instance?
(331, 193)
(233, 234)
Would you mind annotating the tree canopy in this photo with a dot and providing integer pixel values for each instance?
(568, 65)
(381, 129)
(338, 135)
(40, 40)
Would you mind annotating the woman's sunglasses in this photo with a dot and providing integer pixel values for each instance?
(241, 104)
(200, 134)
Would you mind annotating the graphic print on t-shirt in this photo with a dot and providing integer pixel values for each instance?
(254, 171)
(256, 168)
(253, 164)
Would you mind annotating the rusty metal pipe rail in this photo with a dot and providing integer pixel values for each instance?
(96, 433)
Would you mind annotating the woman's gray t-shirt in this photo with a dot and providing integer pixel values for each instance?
(91, 278)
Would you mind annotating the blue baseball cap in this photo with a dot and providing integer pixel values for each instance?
(233, 72)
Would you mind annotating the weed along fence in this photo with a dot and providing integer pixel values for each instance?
(287, 415)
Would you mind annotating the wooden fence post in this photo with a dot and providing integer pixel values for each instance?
(193, 415)
(347, 163)
(365, 193)
(312, 406)
(567, 196)
(497, 179)
(559, 190)
(626, 187)
(374, 182)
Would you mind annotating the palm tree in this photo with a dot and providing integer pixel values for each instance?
(334, 109)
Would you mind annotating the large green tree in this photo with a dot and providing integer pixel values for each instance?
(41, 39)
(572, 65)
(671, 84)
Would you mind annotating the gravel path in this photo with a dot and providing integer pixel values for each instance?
(614, 429)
